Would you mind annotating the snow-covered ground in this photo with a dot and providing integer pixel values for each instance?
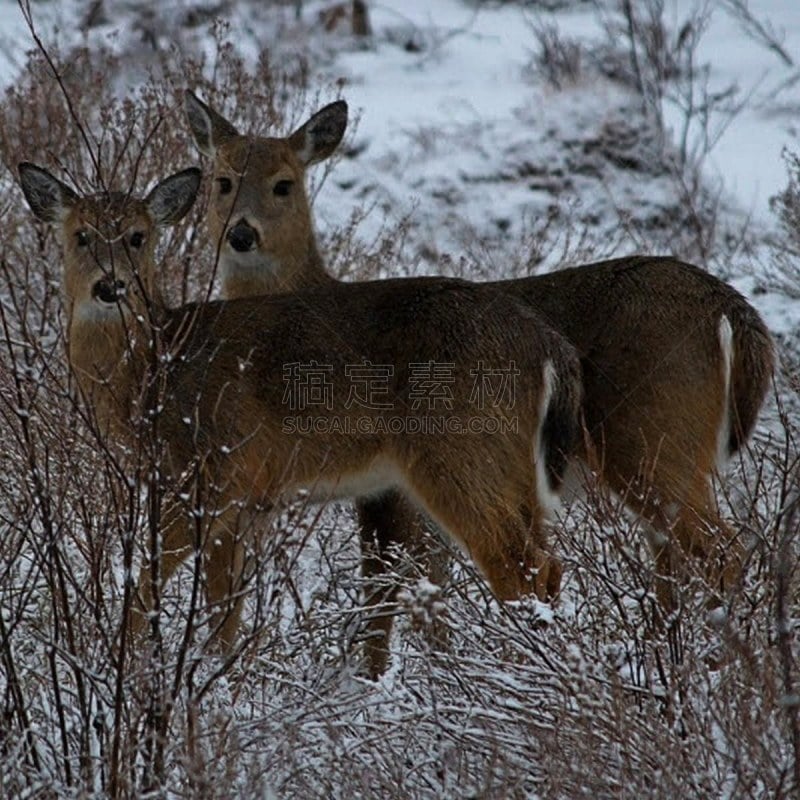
(475, 72)
(747, 154)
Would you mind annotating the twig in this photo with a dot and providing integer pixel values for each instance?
(761, 31)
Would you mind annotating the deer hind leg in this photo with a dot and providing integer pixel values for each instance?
(511, 551)
(681, 483)
(685, 531)
(703, 535)
(387, 522)
(503, 531)
(700, 530)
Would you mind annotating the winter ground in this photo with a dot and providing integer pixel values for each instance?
(472, 154)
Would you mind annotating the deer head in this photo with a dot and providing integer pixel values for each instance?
(110, 281)
(259, 212)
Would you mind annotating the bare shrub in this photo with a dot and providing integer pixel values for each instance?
(661, 63)
(558, 58)
(77, 520)
(784, 270)
(759, 29)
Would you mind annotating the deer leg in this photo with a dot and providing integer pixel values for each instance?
(175, 546)
(386, 522)
(702, 534)
(684, 531)
(549, 571)
(668, 559)
(223, 561)
(505, 536)
(224, 565)
(516, 564)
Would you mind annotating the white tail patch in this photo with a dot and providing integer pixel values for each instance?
(548, 500)
(724, 433)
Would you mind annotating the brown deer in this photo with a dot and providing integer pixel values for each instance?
(226, 382)
(675, 362)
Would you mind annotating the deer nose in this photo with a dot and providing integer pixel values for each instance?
(242, 237)
(108, 291)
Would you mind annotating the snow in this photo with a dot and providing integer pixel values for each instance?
(474, 73)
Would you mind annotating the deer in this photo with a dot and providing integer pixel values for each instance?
(675, 363)
(225, 381)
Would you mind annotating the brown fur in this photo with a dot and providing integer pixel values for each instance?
(647, 331)
(231, 440)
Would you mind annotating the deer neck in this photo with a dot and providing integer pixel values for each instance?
(109, 359)
(301, 268)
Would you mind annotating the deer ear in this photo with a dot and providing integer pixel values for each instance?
(209, 128)
(49, 198)
(171, 199)
(320, 136)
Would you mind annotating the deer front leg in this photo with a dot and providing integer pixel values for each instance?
(174, 546)
(222, 546)
(224, 563)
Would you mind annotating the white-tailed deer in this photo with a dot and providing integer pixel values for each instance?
(675, 362)
(258, 397)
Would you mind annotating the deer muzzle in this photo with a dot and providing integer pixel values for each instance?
(242, 237)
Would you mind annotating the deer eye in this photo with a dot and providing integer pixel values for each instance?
(82, 237)
(225, 185)
(282, 188)
(137, 239)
